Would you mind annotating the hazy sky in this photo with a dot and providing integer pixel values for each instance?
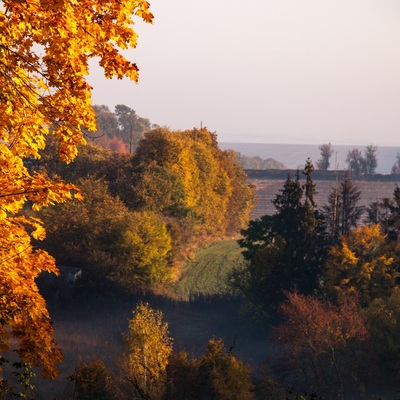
(268, 71)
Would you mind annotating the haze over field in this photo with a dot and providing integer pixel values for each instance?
(293, 156)
(310, 71)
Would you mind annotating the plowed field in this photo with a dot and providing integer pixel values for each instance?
(266, 191)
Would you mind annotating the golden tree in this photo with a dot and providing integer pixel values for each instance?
(45, 46)
(362, 265)
(148, 349)
(205, 183)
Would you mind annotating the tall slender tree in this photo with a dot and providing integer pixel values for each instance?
(370, 160)
(148, 349)
(386, 213)
(326, 152)
(342, 212)
(355, 162)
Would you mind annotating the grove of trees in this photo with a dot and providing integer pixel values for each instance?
(360, 165)
(342, 212)
(141, 211)
(293, 241)
(120, 130)
(327, 282)
(150, 370)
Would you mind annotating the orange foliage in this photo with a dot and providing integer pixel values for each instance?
(318, 326)
(323, 343)
(45, 47)
(117, 145)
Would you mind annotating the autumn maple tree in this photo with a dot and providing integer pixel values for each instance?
(45, 47)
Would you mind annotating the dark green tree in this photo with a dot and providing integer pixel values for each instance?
(285, 251)
(383, 318)
(378, 212)
(342, 212)
(393, 220)
(386, 213)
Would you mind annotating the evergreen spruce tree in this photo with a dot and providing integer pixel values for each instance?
(386, 213)
(286, 251)
(342, 212)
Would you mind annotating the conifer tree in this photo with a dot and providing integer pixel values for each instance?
(386, 213)
(342, 212)
(285, 251)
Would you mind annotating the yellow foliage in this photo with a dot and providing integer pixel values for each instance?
(45, 47)
(148, 349)
(207, 176)
(361, 264)
(151, 244)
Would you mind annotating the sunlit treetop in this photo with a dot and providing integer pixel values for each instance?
(45, 47)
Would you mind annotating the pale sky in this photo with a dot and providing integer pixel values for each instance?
(268, 71)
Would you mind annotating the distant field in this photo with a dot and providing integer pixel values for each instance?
(266, 191)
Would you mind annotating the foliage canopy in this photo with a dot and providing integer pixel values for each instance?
(45, 47)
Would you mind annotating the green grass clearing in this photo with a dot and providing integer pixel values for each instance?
(207, 274)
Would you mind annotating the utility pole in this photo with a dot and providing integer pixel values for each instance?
(130, 141)
(335, 201)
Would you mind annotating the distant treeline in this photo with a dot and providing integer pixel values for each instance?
(258, 163)
(317, 175)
